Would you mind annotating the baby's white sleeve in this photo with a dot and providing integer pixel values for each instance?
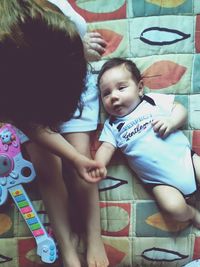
(107, 134)
(164, 101)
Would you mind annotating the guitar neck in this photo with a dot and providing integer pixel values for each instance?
(46, 247)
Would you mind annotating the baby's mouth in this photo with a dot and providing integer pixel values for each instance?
(117, 107)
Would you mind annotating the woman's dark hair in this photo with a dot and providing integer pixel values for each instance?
(42, 65)
(115, 62)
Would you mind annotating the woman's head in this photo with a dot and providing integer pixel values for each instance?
(42, 66)
(121, 86)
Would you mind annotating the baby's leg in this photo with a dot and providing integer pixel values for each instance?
(196, 162)
(173, 203)
(87, 199)
(55, 196)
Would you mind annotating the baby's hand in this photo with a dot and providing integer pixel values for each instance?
(90, 170)
(98, 174)
(163, 126)
(94, 46)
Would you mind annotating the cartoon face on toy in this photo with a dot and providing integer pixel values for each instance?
(6, 137)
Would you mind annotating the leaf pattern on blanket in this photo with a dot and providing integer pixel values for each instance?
(162, 36)
(167, 3)
(160, 254)
(110, 183)
(4, 259)
(101, 6)
(197, 34)
(165, 223)
(100, 10)
(162, 74)
(6, 223)
(112, 39)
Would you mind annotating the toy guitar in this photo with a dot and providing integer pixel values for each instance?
(14, 170)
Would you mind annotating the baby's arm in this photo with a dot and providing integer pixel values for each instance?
(55, 143)
(167, 125)
(103, 156)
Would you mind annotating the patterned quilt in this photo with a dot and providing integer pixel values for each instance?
(163, 38)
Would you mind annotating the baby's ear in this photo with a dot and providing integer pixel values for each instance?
(141, 87)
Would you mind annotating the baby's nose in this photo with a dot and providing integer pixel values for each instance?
(115, 95)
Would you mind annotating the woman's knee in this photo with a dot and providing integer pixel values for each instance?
(46, 164)
(81, 141)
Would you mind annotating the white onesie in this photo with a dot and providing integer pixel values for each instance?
(155, 160)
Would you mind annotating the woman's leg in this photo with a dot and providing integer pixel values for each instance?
(55, 196)
(87, 199)
(173, 203)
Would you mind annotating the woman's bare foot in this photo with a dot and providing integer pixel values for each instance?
(96, 254)
(69, 253)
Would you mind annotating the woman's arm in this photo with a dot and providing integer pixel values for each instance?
(55, 143)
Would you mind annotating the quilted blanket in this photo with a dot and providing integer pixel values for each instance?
(163, 38)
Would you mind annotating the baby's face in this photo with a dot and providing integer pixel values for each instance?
(120, 93)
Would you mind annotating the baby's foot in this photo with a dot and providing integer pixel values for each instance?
(196, 219)
(96, 255)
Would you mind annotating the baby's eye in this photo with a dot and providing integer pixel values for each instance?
(122, 87)
(105, 93)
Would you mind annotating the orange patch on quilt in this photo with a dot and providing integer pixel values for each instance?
(167, 3)
(5, 224)
(89, 16)
(196, 141)
(162, 74)
(197, 34)
(165, 223)
(112, 39)
(115, 256)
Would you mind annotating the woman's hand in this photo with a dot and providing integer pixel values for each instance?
(94, 46)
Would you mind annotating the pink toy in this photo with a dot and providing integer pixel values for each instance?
(15, 170)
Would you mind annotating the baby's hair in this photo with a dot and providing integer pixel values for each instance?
(42, 65)
(115, 62)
